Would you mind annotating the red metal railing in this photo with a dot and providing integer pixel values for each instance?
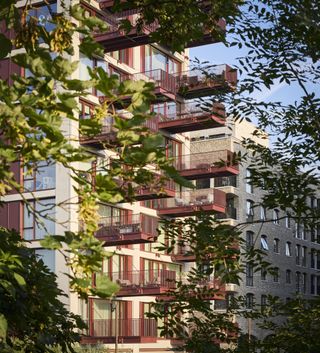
(167, 185)
(136, 223)
(216, 74)
(142, 327)
(145, 279)
(199, 198)
(203, 160)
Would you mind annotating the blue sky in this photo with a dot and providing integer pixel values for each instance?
(219, 54)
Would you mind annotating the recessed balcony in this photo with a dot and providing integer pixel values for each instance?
(199, 83)
(206, 165)
(132, 229)
(190, 202)
(148, 282)
(126, 330)
(192, 118)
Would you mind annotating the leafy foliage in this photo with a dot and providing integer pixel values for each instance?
(32, 314)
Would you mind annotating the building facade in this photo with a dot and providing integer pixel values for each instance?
(128, 229)
(291, 248)
(196, 140)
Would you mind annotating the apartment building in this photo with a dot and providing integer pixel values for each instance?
(290, 247)
(129, 229)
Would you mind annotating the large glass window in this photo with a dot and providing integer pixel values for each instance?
(41, 177)
(154, 59)
(48, 258)
(43, 15)
(37, 226)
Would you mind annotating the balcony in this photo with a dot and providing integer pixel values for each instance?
(192, 118)
(206, 165)
(198, 83)
(106, 138)
(190, 202)
(157, 192)
(164, 83)
(182, 254)
(116, 39)
(127, 331)
(133, 229)
(206, 39)
(148, 282)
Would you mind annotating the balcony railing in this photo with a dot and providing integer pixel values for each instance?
(214, 75)
(136, 228)
(206, 164)
(199, 83)
(144, 282)
(231, 180)
(188, 202)
(150, 193)
(123, 328)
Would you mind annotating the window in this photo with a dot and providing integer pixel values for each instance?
(43, 15)
(154, 59)
(84, 64)
(263, 213)
(249, 274)
(263, 301)
(304, 283)
(48, 258)
(304, 256)
(124, 56)
(250, 210)
(249, 186)
(249, 239)
(288, 249)
(264, 243)
(288, 220)
(298, 281)
(249, 301)
(276, 216)
(313, 284)
(298, 254)
(276, 274)
(313, 258)
(263, 274)
(36, 227)
(40, 177)
(203, 184)
(276, 245)
(288, 276)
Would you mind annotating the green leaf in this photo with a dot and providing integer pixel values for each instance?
(52, 242)
(20, 280)
(105, 288)
(3, 326)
